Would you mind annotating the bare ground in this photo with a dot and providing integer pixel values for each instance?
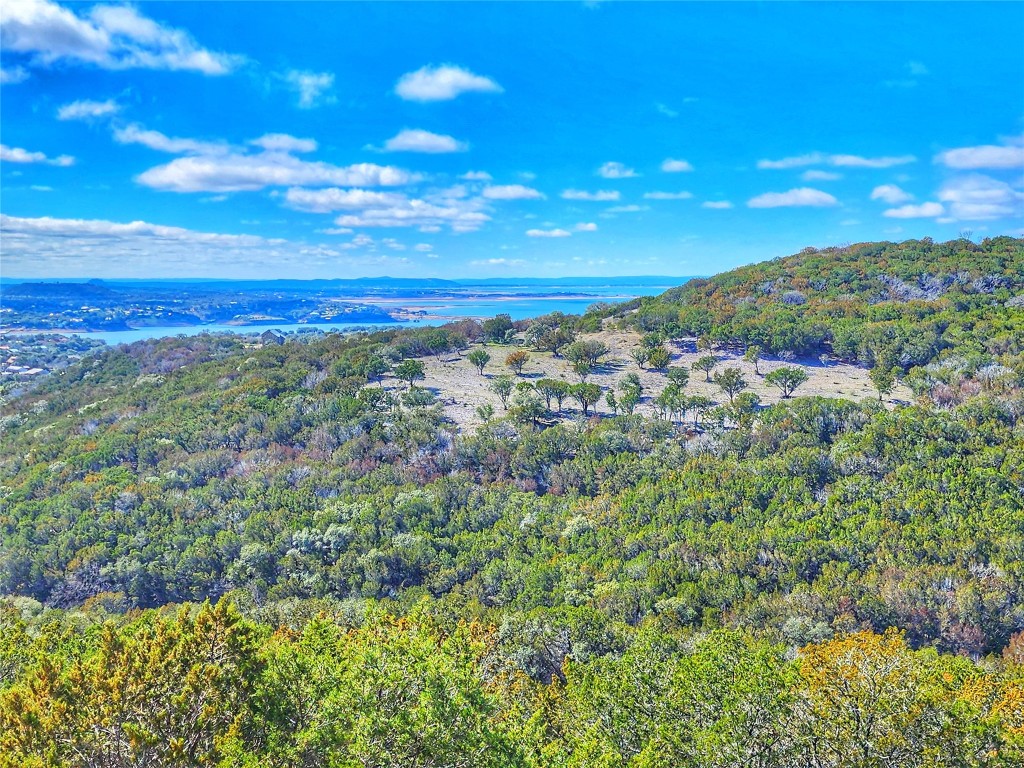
(456, 383)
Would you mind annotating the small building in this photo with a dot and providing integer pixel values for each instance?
(271, 337)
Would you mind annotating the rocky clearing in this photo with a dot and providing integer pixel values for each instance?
(458, 386)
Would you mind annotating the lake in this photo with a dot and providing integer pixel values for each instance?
(520, 305)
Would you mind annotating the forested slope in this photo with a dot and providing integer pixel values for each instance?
(598, 590)
(904, 302)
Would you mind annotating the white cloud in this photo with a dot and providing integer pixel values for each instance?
(442, 83)
(675, 166)
(233, 171)
(415, 140)
(476, 176)
(100, 228)
(841, 161)
(628, 208)
(548, 233)
(423, 247)
(612, 170)
(47, 246)
(668, 195)
(666, 110)
(335, 199)
(980, 198)
(891, 194)
(585, 226)
(985, 156)
(922, 211)
(800, 197)
(716, 205)
(41, 188)
(312, 88)
(18, 155)
(85, 109)
(498, 262)
(12, 75)
(107, 36)
(136, 134)
(816, 175)
(916, 68)
(601, 196)
(429, 214)
(512, 192)
(849, 222)
(283, 142)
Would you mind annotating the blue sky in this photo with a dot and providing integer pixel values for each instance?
(543, 139)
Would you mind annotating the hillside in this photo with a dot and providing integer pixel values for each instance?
(565, 582)
(901, 302)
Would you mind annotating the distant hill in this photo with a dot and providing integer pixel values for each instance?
(905, 302)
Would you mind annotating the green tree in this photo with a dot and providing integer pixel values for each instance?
(731, 382)
(375, 368)
(678, 375)
(884, 379)
(410, 371)
(502, 386)
(640, 356)
(479, 358)
(707, 364)
(497, 328)
(659, 358)
(586, 395)
(786, 379)
(753, 356)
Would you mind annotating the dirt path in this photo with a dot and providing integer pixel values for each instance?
(461, 389)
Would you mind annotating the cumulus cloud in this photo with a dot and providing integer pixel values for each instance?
(979, 198)
(12, 75)
(922, 211)
(841, 161)
(716, 205)
(442, 83)
(511, 192)
(666, 110)
(312, 88)
(415, 140)
(87, 110)
(668, 195)
(106, 36)
(628, 208)
(890, 193)
(283, 142)
(816, 175)
(585, 226)
(986, 156)
(234, 170)
(423, 247)
(49, 246)
(612, 170)
(548, 233)
(675, 166)
(450, 208)
(18, 155)
(601, 196)
(800, 197)
(476, 176)
(100, 228)
(335, 199)
(136, 134)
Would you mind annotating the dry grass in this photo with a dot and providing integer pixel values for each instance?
(456, 383)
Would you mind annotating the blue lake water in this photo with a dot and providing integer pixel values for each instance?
(440, 309)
